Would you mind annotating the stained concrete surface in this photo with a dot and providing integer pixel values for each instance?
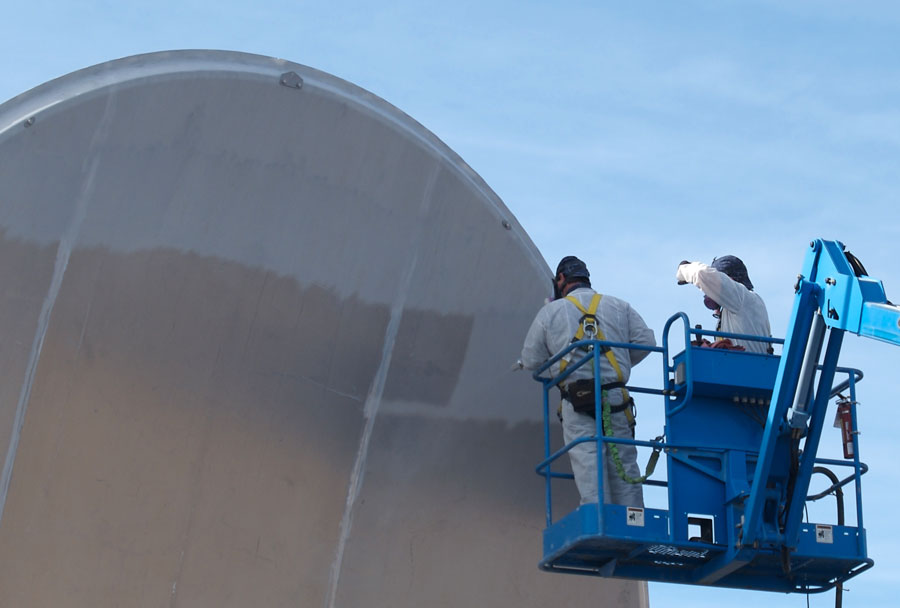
(256, 345)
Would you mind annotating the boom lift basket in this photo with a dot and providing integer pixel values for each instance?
(741, 438)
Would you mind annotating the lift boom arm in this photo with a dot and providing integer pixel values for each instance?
(833, 291)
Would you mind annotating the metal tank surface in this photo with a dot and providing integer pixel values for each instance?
(257, 329)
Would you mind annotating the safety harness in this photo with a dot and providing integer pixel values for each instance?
(589, 328)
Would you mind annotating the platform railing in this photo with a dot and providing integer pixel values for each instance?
(678, 401)
(595, 349)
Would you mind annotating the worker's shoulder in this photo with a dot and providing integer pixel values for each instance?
(584, 295)
(550, 308)
(756, 299)
(622, 309)
(611, 300)
(554, 307)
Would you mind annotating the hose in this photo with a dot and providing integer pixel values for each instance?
(839, 497)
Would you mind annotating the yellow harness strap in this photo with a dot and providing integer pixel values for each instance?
(592, 312)
(629, 409)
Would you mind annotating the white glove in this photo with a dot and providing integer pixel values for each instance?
(680, 275)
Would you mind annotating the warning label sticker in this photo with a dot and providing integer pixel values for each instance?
(824, 534)
(634, 516)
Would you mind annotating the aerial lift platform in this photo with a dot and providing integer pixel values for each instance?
(741, 437)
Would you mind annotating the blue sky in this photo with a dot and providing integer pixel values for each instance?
(634, 135)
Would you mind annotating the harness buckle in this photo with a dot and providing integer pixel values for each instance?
(589, 326)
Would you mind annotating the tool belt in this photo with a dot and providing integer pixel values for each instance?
(580, 393)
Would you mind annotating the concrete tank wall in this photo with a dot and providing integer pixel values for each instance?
(257, 327)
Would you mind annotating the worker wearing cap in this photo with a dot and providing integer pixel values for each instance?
(554, 328)
(729, 293)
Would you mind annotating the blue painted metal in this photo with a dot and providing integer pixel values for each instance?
(742, 433)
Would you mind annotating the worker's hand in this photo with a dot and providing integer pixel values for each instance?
(679, 276)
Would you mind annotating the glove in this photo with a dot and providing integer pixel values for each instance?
(678, 274)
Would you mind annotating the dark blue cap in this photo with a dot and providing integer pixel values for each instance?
(734, 268)
(572, 268)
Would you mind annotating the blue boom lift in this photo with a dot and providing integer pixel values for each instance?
(741, 437)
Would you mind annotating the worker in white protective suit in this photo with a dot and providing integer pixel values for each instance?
(729, 293)
(554, 328)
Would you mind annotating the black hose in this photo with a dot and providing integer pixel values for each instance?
(792, 480)
(839, 496)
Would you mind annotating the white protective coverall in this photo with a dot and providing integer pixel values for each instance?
(552, 330)
(742, 311)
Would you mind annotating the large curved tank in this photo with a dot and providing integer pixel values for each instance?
(257, 327)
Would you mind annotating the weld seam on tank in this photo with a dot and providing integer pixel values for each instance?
(373, 399)
(63, 253)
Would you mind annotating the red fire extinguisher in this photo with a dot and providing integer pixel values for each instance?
(845, 419)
